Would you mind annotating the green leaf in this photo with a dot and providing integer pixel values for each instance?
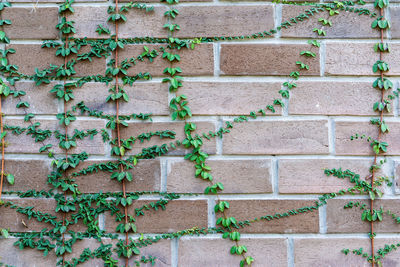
(10, 179)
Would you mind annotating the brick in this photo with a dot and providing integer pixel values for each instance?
(31, 23)
(135, 129)
(358, 59)
(395, 21)
(14, 220)
(30, 56)
(340, 220)
(238, 176)
(278, 137)
(87, 68)
(307, 222)
(146, 177)
(203, 55)
(162, 221)
(198, 252)
(306, 176)
(13, 256)
(199, 21)
(138, 24)
(40, 99)
(146, 97)
(161, 250)
(94, 146)
(265, 59)
(329, 252)
(340, 24)
(29, 174)
(229, 98)
(345, 129)
(333, 98)
(397, 177)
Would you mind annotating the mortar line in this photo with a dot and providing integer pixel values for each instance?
(290, 252)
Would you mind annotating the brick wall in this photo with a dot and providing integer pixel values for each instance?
(268, 165)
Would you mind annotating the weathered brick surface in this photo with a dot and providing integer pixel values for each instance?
(192, 213)
(395, 19)
(304, 176)
(94, 146)
(265, 59)
(28, 173)
(226, 20)
(340, 220)
(238, 176)
(135, 129)
(160, 250)
(329, 252)
(230, 98)
(339, 29)
(146, 177)
(345, 146)
(143, 98)
(278, 137)
(17, 222)
(11, 255)
(333, 98)
(40, 100)
(357, 59)
(31, 23)
(307, 222)
(202, 251)
(138, 23)
(30, 56)
(203, 55)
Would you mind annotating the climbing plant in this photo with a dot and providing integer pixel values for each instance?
(76, 207)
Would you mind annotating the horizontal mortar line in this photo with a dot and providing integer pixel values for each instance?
(298, 235)
(278, 157)
(214, 119)
(304, 40)
(277, 79)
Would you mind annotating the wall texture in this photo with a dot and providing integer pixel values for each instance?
(268, 165)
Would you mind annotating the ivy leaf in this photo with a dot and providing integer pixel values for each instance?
(10, 179)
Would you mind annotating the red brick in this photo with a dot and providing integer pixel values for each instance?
(229, 98)
(143, 98)
(345, 129)
(327, 252)
(30, 56)
(15, 220)
(135, 129)
(203, 55)
(265, 59)
(306, 176)
(160, 250)
(31, 23)
(340, 220)
(307, 222)
(215, 251)
(358, 59)
(395, 21)
(333, 98)
(203, 21)
(94, 146)
(278, 137)
(162, 221)
(138, 24)
(28, 173)
(339, 29)
(40, 99)
(146, 177)
(13, 256)
(238, 176)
